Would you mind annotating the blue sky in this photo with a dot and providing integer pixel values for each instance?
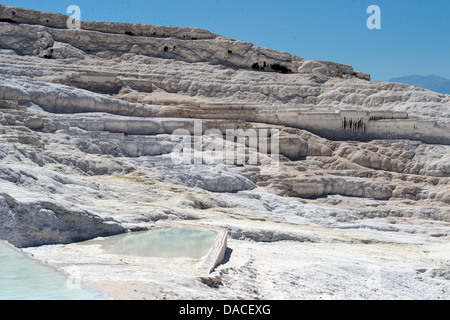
(414, 37)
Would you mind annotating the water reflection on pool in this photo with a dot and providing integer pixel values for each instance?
(22, 278)
(163, 242)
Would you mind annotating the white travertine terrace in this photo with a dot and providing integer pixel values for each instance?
(87, 123)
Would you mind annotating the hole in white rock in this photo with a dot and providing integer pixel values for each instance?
(165, 242)
(22, 278)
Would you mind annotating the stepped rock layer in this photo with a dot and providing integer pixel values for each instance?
(91, 124)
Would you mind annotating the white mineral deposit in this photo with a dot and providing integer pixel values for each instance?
(352, 204)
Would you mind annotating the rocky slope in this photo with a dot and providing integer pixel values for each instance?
(88, 134)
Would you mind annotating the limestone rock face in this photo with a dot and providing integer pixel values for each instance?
(35, 223)
(317, 173)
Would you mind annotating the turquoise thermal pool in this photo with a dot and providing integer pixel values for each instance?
(164, 242)
(23, 278)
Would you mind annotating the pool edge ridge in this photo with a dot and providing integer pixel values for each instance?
(217, 252)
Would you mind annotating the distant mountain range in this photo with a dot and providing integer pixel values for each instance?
(433, 83)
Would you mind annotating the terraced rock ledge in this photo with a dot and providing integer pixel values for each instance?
(91, 124)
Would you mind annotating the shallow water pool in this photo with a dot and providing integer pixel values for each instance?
(22, 278)
(164, 242)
